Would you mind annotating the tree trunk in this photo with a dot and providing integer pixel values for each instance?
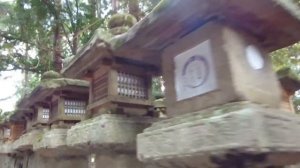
(75, 42)
(115, 6)
(133, 8)
(57, 54)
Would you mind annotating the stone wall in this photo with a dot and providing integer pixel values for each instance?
(32, 160)
(118, 161)
(6, 161)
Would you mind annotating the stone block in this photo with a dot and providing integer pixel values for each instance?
(229, 65)
(118, 161)
(6, 148)
(26, 141)
(232, 135)
(107, 132)
(53, 143)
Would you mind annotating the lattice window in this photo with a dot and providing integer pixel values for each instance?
(45, 113)
(75, 107)
(100, 87)
(132, 86)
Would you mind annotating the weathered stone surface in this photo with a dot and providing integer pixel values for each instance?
(221, 136)
(6, 161)
(110, 160)
(26, 141)
(6, 148)
(165, 24)
(107, 131)
(51, 75)
(236, 79)
(34, 160)
(53, 143)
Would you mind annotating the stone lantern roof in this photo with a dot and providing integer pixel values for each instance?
(275, 23)
(51, 83)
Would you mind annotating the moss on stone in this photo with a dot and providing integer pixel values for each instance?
(159, 103)
(63, 82)
(117, 42)
(51, 75)
(119, 20)
(103, 34)
(119, 30)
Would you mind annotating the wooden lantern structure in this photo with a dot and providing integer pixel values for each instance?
(56, 99)
(121, 87)
(14, 128)
(118, 85)
(38, 116)
(69, 106)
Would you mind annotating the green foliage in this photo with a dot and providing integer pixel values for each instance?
(157, 84)
(4, 116)
(288, 57)
(28, 39)
(296, 103)
(26, 88)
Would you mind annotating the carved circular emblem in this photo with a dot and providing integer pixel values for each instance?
(195, 71)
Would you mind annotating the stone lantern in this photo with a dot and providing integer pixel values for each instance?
(41, 115)
(120, 96)
(222, 95)
(121, 87)
(55, 100)
(67, 97)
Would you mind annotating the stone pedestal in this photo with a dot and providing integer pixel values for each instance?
(26, 141)
(118, 160)
(235, 135)
(53, 143)
(6, 148)
(112, 138)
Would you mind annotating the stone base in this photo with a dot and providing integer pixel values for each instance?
(33, 160)
(26, 141)
(118, 161)
(235, 135)
(6, 148)
(53, 143)
(107, 132)
(6, 161)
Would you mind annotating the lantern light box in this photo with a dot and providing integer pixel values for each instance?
(121, 86)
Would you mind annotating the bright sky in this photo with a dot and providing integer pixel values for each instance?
(8, 87)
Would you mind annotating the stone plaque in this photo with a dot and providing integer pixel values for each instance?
(195, 72)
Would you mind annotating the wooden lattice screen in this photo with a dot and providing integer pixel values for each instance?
(132, 86)
(74, 107)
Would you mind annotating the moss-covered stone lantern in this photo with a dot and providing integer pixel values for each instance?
(118, 85)
(56, 100)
